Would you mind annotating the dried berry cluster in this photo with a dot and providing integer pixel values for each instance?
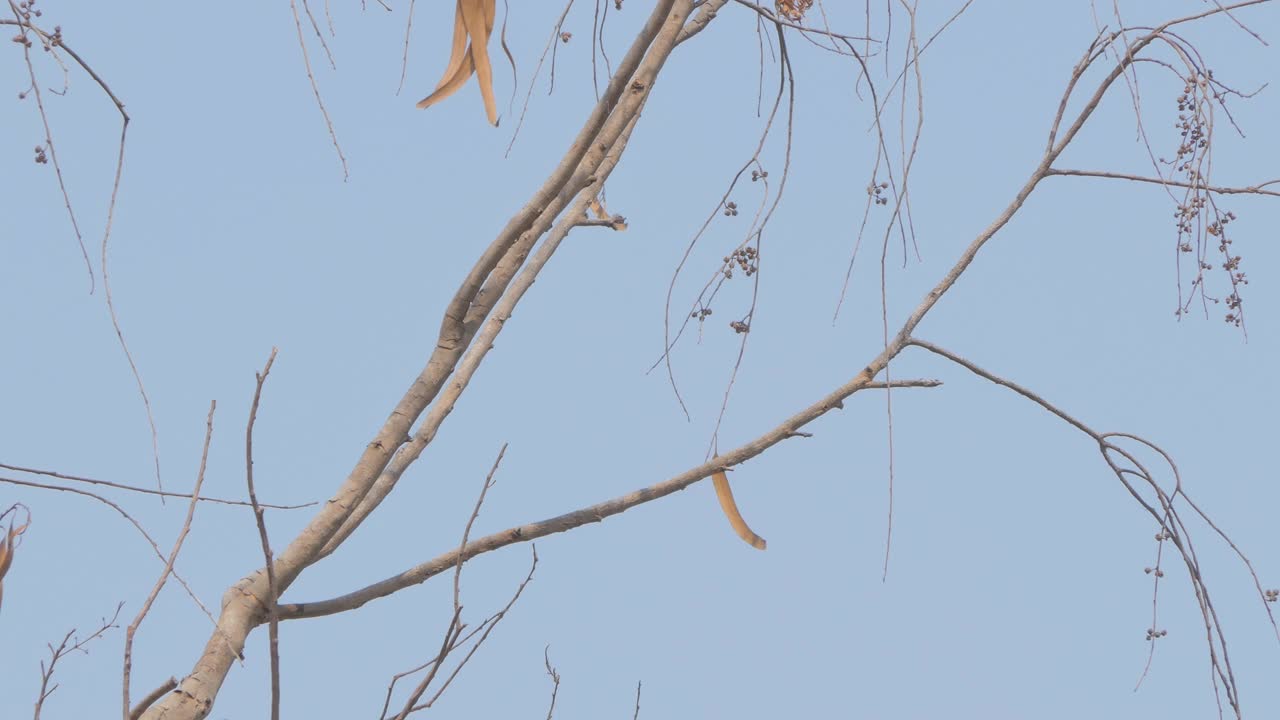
(1198, 215)
(877, 192)
(26, 10)
(745, 258)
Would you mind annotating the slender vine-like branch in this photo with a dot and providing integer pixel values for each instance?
(168, 568)
(1259, 189)
(1163, 511)
(259, 518)
(142, 490)
(555, 680)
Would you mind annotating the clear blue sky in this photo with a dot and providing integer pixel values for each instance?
(1016, 587)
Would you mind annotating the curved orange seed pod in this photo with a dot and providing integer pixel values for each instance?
(472, 25)
(730, 508)
(7, 545)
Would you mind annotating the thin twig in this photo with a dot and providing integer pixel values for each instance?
(491, 623)
(137, 489)
(56, 654)
(551, 45)
(259, 517)
(1259, 189)
(455, 624)
(22, 20)
(168, 567)
(132, 521)
(54, 42)
(315, 89)
(555, 679)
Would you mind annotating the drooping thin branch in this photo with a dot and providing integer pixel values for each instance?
(53, 42)
(142, 490)
(408, 31)
(901, 207)
(551, 45)
(315, 87)
(876, 186)
(1257, 583)
(1025, 392)
(700, 309)
(132, 521)
(1163, 511)
(902, 73)
(756, 234)
(22, 19)
(315, 25)
(106, 274)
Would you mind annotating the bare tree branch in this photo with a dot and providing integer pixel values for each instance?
(456, 626)
(475, 316)
(63, 649)
(473, 302)
(137, 489)
(129, 633)
(1163, 511)
(555, 680)
(273, 619)
(1259, 189)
